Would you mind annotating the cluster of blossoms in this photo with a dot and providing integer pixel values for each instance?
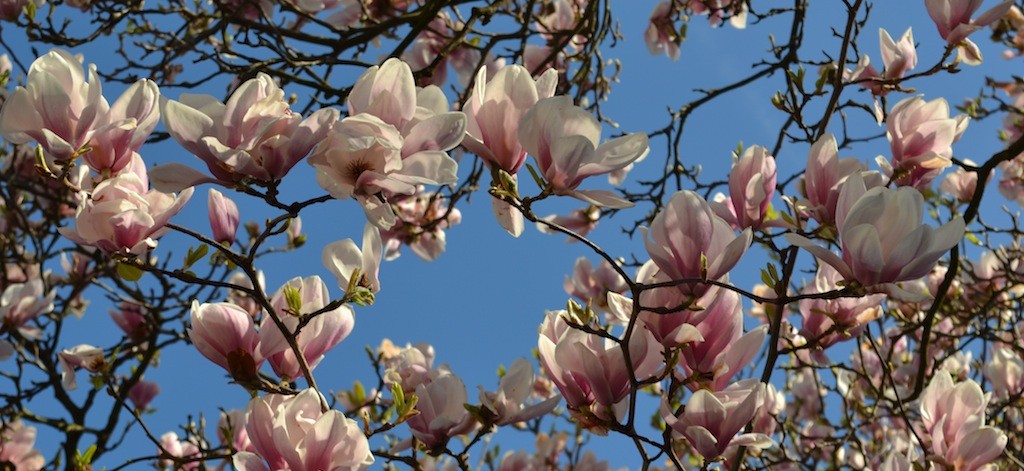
(676, 329)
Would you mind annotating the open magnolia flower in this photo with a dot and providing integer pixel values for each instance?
(122, 215)
(954, 22)
(66, 115)
(395, 139)
(344, 260)
(255, 135)
(882, 235)
(291, 432)
(564, 140)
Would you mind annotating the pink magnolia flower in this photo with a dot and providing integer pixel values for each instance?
(580, 221)
(122, 215)
(142, 393)
(711, 420)
(231, 430)
(751, 186)
(676, 326)
(590, 372)
(292, 433)
(22, 302)
(954, 420)
(442, 411)
(17, 447)
(507, 403)
(661, 35)
(84, 356)
(61, 112)
(125, 128)
(592, 285)
(224, 217)
(688, 241)
(1005, 371)
(408, 367)
(181, 449)
(563, 140)
(254, 135)
(345, 260)
(882, 236)
(226, 335)
(559, 19)
(494, 110)
(366, 158)
(131, 321)
(960, 184)
(318, 336)
(824, 179)
(953, 20)
(433, 41)
(830, 321)
(899, 57)
(421, 224)
(241, 298)
(722, 349)
(921, 135)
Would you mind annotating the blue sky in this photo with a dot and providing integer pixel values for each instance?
(481, 302)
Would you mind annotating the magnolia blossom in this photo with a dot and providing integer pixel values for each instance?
(899, 57)
(751, 186)
(231, 429)
(721, 348)
(408, 367)
(824, 179)
(507, 404)
(563, 140)
(254, 135)
(142, 393)
(960, 184)
(1005, 371)
(318, 336)
(223, 217)
(711, 420)
(954, 420)
(395, 139)
(442, 412)
(22, 302)
(293, 433)
(829, 321)
(122, 215)
(580, 221)
(345, 260)
(882, 236)
(591, 372)
(688, 241)
(181, 449)
(434, 41)
(421, 224)
(84, 356)
(592, 285)
(63, 113)
(494, 110)
(17, 447)
(953, 20)
(661, 35)
(226, 335)
(921, 135)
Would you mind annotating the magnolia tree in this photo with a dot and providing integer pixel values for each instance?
(886, 331)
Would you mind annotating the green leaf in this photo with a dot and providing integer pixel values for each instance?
(195, 255)
(129, 272)
(536, 176)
